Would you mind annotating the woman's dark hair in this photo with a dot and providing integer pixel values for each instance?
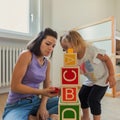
(34, 45)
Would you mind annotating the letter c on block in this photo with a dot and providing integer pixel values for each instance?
(69, 80)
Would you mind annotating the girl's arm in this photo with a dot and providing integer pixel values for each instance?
(111, 78)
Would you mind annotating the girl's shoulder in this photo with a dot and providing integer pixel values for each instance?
(91, 51)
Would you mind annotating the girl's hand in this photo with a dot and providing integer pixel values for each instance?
(111, 80)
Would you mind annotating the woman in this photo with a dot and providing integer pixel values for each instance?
(31, 69)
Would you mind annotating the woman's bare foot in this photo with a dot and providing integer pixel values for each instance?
(54, 116)
(31, 117)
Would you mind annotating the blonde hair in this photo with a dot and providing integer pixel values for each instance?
(74, 38)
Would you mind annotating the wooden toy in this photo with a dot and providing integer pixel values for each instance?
(69, 105)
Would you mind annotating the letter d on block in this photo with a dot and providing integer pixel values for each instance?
(72, 111)
(69, 111)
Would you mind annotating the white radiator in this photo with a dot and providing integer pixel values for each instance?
(8, 57)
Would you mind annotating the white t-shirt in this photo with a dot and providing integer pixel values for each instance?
(93, 68)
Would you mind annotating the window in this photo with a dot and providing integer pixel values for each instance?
(19, 17)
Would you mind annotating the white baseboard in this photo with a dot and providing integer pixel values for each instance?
(4, 90)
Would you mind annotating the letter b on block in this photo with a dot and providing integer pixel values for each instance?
(69, 94)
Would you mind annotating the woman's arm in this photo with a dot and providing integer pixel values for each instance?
(46, 83)
(42, 111)
(111, 78)
(18, 74)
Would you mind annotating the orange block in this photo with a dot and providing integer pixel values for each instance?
(69, 94)
(70, 50)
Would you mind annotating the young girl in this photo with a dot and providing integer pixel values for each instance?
(98, 69)
(32, 69)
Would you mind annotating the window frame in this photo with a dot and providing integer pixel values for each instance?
(35, 21)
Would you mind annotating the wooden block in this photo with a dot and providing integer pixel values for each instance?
(69, 112)
(70, 50)
(69, 103)
(69, 94)
(70, 75)
(70, 59)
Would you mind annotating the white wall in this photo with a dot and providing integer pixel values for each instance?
(46, 13)
(67, 14)
(16, 43)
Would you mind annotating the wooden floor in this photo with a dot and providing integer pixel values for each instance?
(3, 98)
(110, 107)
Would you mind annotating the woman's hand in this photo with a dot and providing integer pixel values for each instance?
(49, 92)
(111, 80)
(42, 113)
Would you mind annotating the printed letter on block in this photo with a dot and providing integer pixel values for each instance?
(70, 59)
(70, 75)
(69, 112)
(69, 94)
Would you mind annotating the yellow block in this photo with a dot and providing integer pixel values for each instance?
(70, 59)
(70, 50)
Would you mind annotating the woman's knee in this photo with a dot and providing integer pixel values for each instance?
(53, 101)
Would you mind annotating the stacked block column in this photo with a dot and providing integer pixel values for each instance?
(69, 106)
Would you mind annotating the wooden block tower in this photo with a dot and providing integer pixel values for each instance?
(69, 105)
